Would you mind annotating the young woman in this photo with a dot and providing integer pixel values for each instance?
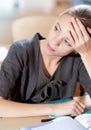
(40, 70)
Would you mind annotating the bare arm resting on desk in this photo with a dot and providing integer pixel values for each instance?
(15, 109)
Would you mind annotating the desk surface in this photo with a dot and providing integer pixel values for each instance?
(17, 123)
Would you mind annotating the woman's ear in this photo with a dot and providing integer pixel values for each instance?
(89, 31)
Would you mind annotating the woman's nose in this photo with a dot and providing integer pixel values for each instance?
(57, 41)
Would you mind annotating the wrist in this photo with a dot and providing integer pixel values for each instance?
(85, 56)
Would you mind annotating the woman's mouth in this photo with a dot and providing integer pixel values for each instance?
(50, 48)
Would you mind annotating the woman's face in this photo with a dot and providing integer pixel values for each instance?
(58, 41)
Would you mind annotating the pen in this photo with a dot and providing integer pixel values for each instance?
(45, 120)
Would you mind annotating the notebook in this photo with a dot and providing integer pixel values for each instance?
(60, 123)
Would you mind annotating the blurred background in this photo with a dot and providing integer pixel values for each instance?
(11, 10)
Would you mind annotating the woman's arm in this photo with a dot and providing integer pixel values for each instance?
(81, 42)
(15, 109)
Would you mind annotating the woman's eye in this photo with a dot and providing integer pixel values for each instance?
(66, 42)
(56, 28)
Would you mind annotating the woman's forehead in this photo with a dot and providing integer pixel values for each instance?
(64, 21)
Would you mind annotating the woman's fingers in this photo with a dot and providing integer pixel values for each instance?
(73, 34)
(79, 36)
(73, 108)
(78, 108)
(77, 29)
(84, 32)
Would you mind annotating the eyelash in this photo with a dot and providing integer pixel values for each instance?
(55, 28)
(66, 42)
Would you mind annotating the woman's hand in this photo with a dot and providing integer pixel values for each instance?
(73, 108)
(81, 42)
(80, 38)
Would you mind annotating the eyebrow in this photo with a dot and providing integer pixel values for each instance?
(59, 27)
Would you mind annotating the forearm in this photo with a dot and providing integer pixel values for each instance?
(15, 109)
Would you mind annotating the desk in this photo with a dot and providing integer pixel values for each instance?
(17, 123)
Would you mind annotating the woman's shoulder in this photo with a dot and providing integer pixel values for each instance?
(73, 56)
(22, 43)
(27, 43)
(72, 59)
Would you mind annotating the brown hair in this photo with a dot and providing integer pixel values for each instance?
(82, 12)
